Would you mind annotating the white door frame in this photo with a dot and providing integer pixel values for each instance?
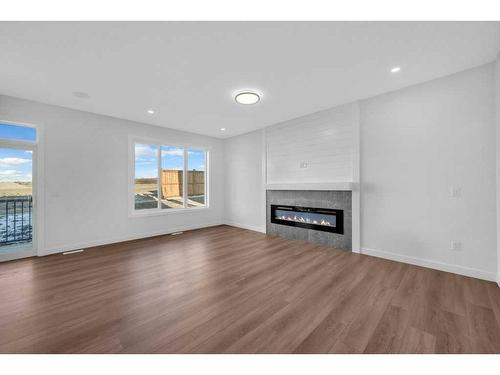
(20, 251)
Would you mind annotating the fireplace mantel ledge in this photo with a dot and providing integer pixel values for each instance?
(342, 185)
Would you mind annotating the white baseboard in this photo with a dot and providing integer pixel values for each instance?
(84, 245)
(447, 267)
(244, 226)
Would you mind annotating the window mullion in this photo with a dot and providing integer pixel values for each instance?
(185, 179)
(206, 178)
(159, 175)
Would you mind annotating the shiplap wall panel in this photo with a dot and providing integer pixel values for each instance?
(323, 140)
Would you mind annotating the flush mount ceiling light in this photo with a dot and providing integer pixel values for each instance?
(150, 111)
(222, 129)
(247, 97)
(395, 69)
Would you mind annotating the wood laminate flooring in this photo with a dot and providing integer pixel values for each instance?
(229, 290)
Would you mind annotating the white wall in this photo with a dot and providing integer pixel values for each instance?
(416, 144)
(313, 148)
(86, 176)
(244, 188)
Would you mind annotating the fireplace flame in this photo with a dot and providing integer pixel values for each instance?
(301, 219)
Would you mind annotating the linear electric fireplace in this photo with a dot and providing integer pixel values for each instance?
(324, 219)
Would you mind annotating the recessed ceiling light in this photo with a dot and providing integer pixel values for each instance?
(222, 129)
(247, 97)
(150, 111)
(395, 69)
(81, 95)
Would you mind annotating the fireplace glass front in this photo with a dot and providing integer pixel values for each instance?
(323, 219)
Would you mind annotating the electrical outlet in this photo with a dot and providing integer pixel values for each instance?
(456, 245)
(303, 164)
(455, 192)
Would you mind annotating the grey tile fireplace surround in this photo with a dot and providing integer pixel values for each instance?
(318, 199)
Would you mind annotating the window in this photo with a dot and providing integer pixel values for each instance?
(172, 177)
(17, 133)
(196, 178)
(169, 177)
(146, 176)
(17, 162)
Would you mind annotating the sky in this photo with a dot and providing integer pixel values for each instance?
(22, 133)
(15, 164)
(171, 158)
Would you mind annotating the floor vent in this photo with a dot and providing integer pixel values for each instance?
(73, 252)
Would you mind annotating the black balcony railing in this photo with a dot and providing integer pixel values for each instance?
(15, 220)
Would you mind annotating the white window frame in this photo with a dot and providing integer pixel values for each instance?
(166, 211)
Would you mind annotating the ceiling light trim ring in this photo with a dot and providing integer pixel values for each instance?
(249, 94)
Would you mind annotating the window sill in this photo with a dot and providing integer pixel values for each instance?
(164, 211)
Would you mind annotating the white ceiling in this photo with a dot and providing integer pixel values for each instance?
(188, 72)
